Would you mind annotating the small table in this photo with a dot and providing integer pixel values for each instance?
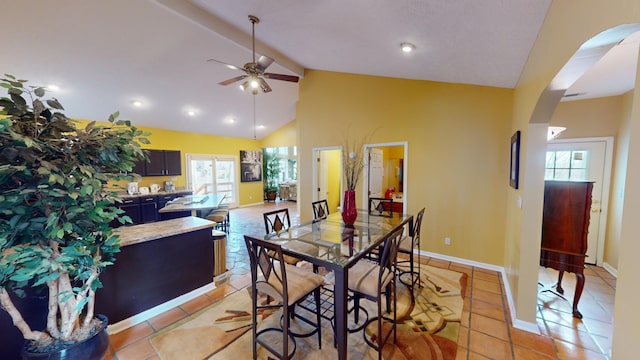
(328, 243)
(193, 203)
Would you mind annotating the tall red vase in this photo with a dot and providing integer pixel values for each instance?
(349, 211)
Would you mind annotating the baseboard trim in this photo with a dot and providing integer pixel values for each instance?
(517, 323)
(253, 204)
(157, 310)
(610, 269)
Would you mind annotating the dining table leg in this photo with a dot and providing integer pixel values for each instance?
(340, 310)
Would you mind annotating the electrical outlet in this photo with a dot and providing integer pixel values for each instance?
(447, 241)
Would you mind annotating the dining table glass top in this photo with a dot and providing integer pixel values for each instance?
(329, 241)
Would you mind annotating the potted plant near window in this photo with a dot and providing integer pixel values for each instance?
(271, 175)
(55, 212)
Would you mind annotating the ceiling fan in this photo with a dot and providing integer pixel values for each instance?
(254, 71)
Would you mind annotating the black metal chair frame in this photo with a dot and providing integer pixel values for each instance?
(387, 263)
(379, 206)
(269, 259)
(320, 209)
(276, 221)
(415, 244)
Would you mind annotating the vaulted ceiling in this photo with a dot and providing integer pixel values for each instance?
(104, 55)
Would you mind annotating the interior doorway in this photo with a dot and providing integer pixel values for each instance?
(585, 159)
(327, 176)
(385, 172)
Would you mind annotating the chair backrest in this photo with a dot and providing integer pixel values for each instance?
(320, 209)
(416, 228)
(268, 271)
(277, 221)
(389, 255)
(380, 206)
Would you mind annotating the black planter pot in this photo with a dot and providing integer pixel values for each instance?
(93, 348)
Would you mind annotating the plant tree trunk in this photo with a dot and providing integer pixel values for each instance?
(18, 320)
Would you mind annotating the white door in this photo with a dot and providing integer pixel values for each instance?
(207, 174)
(584, 160)
(376, 172)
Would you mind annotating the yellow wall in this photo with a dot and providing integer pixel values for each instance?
(458, 145)
(284, 136)
(616, 201)
(588, 118)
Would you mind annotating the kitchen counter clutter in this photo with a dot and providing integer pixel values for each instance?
(157, 263)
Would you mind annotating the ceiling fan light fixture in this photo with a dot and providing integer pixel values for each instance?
(244, 86)
(255, 83)
(407, 47)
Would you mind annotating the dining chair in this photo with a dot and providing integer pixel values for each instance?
(276, 221)
(286, 285)
(320, 209)
(373, 280)
(380, 206)
(408, 245)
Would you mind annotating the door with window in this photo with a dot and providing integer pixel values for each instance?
(208, 174)
(584, 160)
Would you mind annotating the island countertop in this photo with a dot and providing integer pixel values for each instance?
(135, 234)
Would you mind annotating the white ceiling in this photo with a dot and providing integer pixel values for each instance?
(105, 54)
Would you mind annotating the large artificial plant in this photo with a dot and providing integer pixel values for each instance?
(271, 173)
(55, 209)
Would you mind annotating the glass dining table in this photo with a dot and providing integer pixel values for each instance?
(330, 244)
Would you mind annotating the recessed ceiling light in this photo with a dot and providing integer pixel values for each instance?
(53, 87)
(261, 126)
(231, 120)
(136, 103)
(407, 47)
(191, 113)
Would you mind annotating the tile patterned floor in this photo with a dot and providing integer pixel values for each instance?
(486, 331)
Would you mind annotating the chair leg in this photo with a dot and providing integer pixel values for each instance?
(318, 318)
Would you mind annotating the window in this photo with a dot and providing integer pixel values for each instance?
(287, 160)
(566, 165)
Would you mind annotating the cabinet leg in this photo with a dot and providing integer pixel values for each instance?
(559, 288)
(576, 297)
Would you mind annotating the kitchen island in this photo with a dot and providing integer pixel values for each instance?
(157, 262)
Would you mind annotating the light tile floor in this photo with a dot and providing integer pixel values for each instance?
(486, 331)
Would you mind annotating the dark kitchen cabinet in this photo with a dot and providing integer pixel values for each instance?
(163, 162)
(140, 168)
(148, 209)
(131, 207)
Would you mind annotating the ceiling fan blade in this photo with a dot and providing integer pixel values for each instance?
(281, 77)
(263, 63)
(233, 67)
(264, 86)
(232, 80)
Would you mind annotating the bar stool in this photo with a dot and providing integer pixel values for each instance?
(221, 217)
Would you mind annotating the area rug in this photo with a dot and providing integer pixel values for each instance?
(428, 326)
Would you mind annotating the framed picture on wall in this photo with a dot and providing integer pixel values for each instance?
(514, 170)
(250, 165)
